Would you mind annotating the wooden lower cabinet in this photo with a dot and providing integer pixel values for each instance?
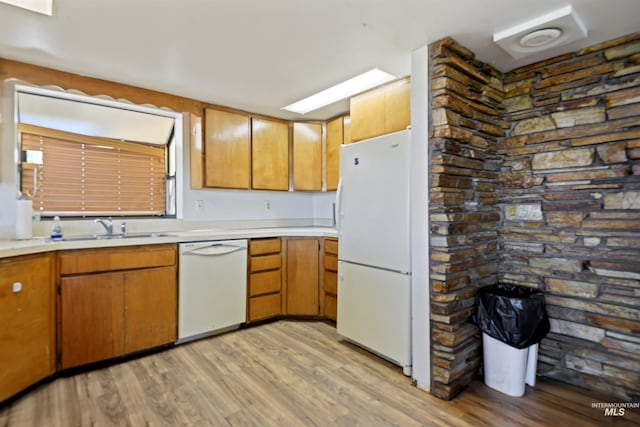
(150, 308)
(264, 279)
(91, 318)
(302, 284)
(330, 278)
(27, 325)
(105, 314)
(288, 276)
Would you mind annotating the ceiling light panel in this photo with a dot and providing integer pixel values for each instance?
(44, 7)
(357, 84)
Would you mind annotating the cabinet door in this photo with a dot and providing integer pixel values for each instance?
(269, 155)
(397, 106)
(382, 110)
(307, 156)
(227, 149)
(367, 115)
(27, 334)
(302, 289)
(150, 308)
(333, 142)
(92, 318)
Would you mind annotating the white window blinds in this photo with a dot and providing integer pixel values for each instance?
(89, 176)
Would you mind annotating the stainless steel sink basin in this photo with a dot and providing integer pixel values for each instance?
(111, 236)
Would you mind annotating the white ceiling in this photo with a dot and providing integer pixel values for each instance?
(259, 55)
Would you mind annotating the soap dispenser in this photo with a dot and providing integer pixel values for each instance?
(56, 229)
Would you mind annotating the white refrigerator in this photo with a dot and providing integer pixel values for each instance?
(374, 259)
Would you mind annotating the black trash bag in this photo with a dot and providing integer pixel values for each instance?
(515, 315)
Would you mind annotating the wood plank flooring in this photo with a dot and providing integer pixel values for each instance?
(285, 374)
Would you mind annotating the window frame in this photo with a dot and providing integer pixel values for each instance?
(11, 136)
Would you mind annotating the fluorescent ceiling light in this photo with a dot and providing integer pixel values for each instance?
(41, 6)
(340, 91)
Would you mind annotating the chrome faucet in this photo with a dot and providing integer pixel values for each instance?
(106, 223)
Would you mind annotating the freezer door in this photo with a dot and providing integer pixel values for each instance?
(374, 202)
(374, 310)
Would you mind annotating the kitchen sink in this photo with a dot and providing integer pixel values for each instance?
(111, 236)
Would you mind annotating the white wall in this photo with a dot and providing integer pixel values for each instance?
(420, 309)
(323, 208)
(241, 205)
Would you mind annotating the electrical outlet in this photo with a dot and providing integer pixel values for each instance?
(267, 205)
(199, 205)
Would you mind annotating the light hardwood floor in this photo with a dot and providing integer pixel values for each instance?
(284, 374)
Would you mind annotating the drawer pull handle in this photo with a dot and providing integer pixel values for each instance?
(16, 287)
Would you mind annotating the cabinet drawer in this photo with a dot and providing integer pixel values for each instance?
(263, 307)
(331, 282)
(331, 246)
(112, 259)
(264, 246)
(330, 307)
(264, 283)
(330, 263)
(267, 262)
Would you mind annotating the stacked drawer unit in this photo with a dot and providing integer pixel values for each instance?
(330, 278)
(265, 279)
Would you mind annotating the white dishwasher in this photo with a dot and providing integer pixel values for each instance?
(212, 286)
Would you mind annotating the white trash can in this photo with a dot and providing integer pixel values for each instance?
(506, 368)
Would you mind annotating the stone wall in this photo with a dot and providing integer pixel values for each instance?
(466, 99)
(570, 199)
(536, 182)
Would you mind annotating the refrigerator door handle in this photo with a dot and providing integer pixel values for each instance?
(338, 213)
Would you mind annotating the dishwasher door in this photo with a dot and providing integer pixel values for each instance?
(212, 288)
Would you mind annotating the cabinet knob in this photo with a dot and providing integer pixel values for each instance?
(16, 287)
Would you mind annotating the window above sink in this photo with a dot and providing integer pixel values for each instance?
(79, 156)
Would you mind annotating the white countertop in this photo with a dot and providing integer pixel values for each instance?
(10, 248)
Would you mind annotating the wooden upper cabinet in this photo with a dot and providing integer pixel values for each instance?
(307, 156)
(335, 138)
(367, 115)
(227, 149)
(382, 110)
(270, 154)
(397, 106)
